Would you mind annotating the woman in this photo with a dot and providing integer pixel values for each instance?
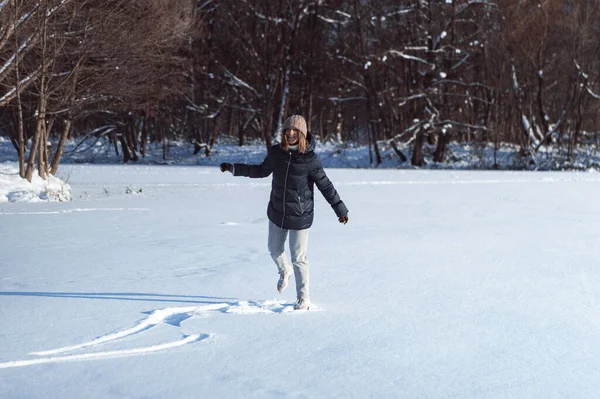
(296, 170)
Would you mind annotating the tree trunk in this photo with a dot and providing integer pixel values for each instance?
(38, 143)
(370, 135)
(417, 156)
(310, 70)
(440, 150)
(283, 105)
(213, 137)
(375, 131)
(241, 129)
(339, 126)
(578, 122)
(125, 148)
(113, 136)
(35, 143)
(321, 125)
(43, 152)
(131, 137)
(230, 121)
(20, 132)
(20, 136)
(400, 154)
(144, 137)
(266, 126)
(61, 147)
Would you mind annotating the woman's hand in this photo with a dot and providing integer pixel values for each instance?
(226, 167)
(343, 219)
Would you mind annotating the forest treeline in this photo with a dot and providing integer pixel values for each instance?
(396, 73)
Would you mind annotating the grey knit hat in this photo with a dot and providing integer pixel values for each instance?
(296, 122)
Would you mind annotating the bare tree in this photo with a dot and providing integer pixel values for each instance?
(411, 75)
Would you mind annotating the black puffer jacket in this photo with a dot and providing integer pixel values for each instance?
(292, 190)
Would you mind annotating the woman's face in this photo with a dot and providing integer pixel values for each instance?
(292, 136)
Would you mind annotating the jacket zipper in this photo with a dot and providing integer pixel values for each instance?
(285, 188)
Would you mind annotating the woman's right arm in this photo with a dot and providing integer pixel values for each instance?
(255, 171)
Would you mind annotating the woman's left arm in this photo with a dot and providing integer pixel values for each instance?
(325, 186)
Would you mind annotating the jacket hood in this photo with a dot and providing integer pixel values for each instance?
(311, 143)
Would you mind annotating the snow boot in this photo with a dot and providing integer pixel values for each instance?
(283, 281)
(302, 304)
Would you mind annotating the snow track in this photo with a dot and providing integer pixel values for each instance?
(171, 316)
(107, 354)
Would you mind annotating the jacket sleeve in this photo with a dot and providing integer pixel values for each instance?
(325, 186)
(256, 171)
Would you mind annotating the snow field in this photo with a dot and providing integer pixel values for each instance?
(443, 284)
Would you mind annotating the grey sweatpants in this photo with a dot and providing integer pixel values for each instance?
(298, 248)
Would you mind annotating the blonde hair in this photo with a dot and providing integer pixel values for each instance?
(285, 146)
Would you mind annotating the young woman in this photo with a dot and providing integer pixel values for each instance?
(296, 170)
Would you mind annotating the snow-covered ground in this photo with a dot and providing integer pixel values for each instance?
(155, 282)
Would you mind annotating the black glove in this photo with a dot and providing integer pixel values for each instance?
(343, 219)
(226, 167)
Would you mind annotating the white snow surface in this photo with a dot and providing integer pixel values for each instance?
(15, 189)
(155, 282)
